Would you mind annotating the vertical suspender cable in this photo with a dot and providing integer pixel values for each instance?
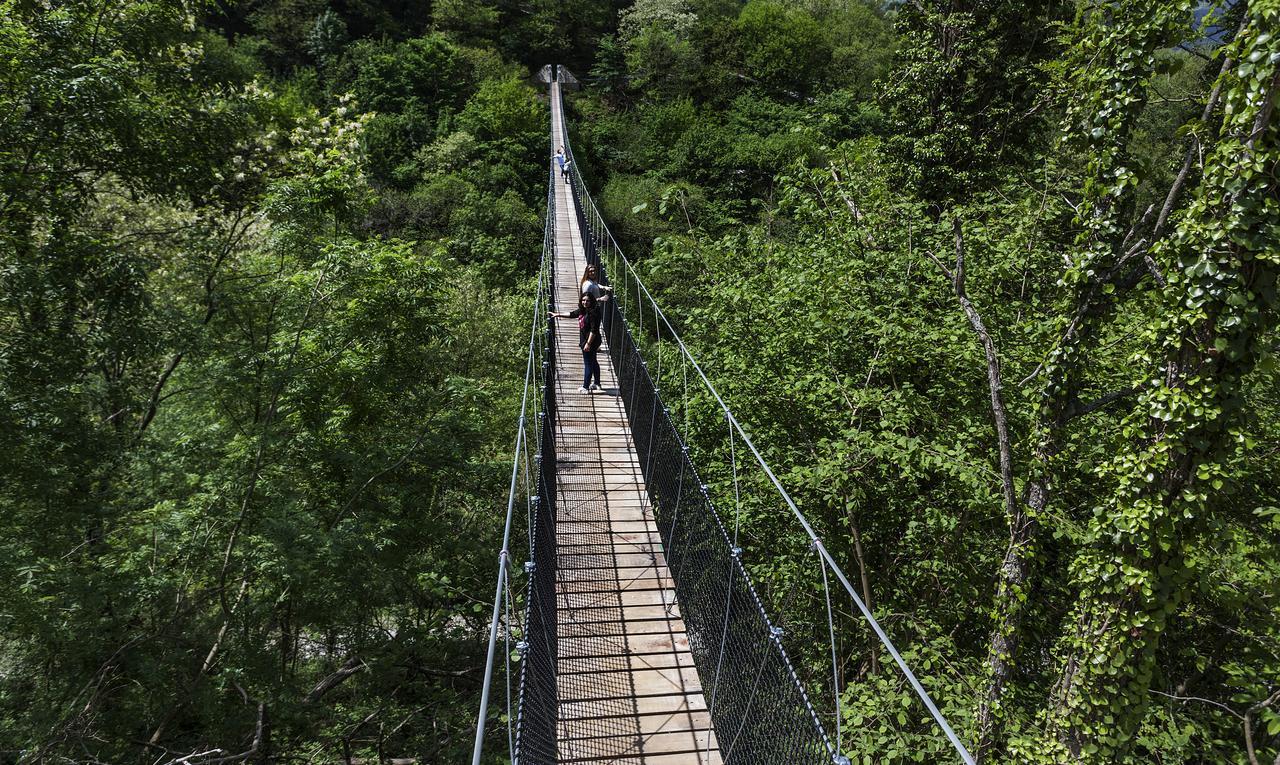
(835, 667)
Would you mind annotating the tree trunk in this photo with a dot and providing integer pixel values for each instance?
(1215, 312)
(863, 577)
(1014, 570)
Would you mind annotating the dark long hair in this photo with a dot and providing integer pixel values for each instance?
(590, 273)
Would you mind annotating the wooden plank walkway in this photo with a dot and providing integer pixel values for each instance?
(628, 690)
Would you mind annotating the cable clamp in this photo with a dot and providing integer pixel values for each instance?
(530, 567)
(736, 552)
(522, 647)
(776, 633)
(684, 448)
(535, 498)
(704, 487)
(840, 759)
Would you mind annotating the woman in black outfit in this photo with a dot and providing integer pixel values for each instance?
(589, 339)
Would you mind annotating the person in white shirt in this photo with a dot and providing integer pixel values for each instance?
(590, 285)
(563, 161)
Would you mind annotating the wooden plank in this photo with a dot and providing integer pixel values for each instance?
(620, 560)
(572, 535)
(619, 574)
(618, 540)
(617, 500)
(604, 533)
(594, 467)
(631, 513)
(605, 526)
(570, 629)
(631, 744)
(620, 612)
(648, 598)
(667, 660)
(687, 720)
(615, 456)
(593, 452)
(602, 547)
(655, 579)
(599, 543)
(609, 526)
(643, 707)
(627, 685)
(637, 643)
(571, 428)
(610, 441)
(577, 582)
(698, 758)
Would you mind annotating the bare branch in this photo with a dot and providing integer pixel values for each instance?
(1193, 147)
(1210, 702)
(941, 267)
(1248, 725)
(350, 667)
(1079, 410)
(1004, 444)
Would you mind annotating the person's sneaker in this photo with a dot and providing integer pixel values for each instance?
(583, 390)
(594, 387)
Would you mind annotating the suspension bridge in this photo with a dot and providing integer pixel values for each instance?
(630, 630)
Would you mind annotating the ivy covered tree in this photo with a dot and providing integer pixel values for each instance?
(1008, 245)
(1186, 442)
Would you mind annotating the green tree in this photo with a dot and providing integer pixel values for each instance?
(961, 100)
(782, 46)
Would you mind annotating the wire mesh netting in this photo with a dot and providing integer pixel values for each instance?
(536, 723)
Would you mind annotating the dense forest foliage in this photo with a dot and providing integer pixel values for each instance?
(993, 283)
